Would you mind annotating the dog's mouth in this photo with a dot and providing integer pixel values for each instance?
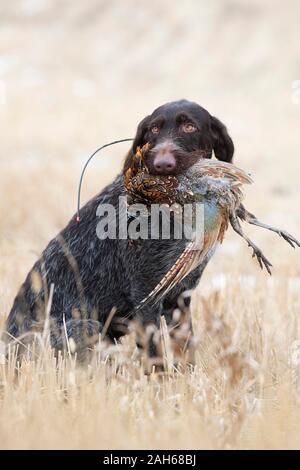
(169, 158)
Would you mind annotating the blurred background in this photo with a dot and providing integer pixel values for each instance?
(75, 75)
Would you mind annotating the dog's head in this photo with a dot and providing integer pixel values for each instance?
(179, 134)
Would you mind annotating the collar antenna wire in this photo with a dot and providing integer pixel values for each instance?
(85, 166)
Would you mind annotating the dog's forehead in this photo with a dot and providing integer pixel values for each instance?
(170, 110)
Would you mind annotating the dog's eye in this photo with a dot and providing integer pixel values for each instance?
(188, 127)
(155, 129)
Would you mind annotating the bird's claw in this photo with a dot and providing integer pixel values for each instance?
(262, 260)
(289, 238)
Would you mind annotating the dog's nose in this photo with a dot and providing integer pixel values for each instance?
(164, 163)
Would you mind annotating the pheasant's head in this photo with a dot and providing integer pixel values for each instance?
(144, 187)
(137, 165)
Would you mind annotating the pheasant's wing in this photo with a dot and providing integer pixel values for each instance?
(192, 257)
(217, 169)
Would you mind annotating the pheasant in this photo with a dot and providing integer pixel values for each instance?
(215, 184)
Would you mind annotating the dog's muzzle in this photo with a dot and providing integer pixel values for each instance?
(164, 158)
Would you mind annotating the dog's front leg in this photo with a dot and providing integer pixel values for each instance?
(177, 312)
(151, 338)
(148, 335)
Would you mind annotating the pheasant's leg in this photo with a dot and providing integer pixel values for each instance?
(243, 214)
(262, 260)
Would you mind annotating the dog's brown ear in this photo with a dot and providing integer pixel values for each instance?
(223, 145)
(138, 141)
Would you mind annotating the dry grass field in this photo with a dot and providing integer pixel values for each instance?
(74, 75)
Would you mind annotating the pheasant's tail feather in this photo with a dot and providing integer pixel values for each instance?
(192, 257)
(174, 275)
